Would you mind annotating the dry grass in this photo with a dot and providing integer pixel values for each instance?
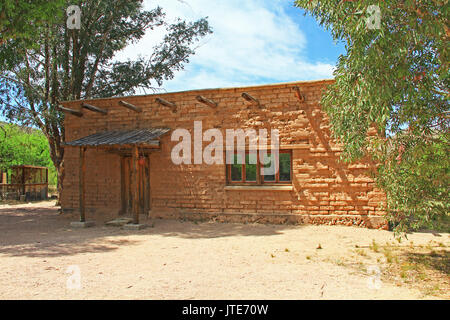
(423, 267)
(426, 268)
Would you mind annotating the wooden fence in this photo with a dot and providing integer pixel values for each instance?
(26, 183)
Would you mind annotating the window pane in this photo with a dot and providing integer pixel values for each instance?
(285, 167)
(250, 167)
(236, 168)
(269, 170)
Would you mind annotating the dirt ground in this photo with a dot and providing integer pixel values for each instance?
(40, 255)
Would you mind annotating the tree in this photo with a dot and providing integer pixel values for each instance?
(394, 77)
(24, 145)
(67, 64)
(22, 19)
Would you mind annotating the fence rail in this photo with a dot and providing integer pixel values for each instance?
(26, 192)
(24, 183)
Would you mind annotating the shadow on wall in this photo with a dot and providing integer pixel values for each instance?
(331, 166)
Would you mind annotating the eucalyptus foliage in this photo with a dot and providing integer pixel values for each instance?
(22, 19)
(394, 77)
(67, 64)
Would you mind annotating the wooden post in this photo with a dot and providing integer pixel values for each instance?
(134, 184)
(23, 180)
(122, 186)
(82, 183)
(46, 181)
(147, 185)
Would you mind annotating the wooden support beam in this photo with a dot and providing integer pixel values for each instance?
(147, 186)
(130, 106)
(23, 180)
(134, 184)
(71, 111)
(82, 175)
(206, 101)
(94, 108)
(300, 96)
(123, 190)
(166, 103)
(250, 98)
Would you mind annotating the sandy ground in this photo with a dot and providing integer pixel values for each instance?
(183, 260)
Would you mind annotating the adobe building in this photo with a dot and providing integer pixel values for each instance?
(118, 160)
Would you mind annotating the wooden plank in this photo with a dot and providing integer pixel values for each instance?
(206, 101)
(249, 98)
(134, 184)
(123, 197)
(71, 111)
(141, 189)
(82, 173)
(94, 108)
(127, 174)
(300, 96)
(130, 106)
(168, 104)
(46, 183)
(147, 185)
(23, 180)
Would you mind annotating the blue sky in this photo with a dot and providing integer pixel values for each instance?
(253, 42)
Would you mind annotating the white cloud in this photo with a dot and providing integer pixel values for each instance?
(253, 42)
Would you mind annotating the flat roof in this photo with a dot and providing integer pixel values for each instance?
(148, 136)
(304, 82)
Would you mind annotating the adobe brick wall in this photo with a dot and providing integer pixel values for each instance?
(324, 190)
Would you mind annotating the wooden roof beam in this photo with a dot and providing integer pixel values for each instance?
(300, 96)
(168, 104)
(206, 101)
(94, 108)
(130, 106)
(71, 111)
(250, 98)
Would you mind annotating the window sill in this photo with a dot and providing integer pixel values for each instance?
(260, 188)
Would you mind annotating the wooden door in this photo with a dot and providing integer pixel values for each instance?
(143, 185)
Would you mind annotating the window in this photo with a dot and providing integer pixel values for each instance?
(249, 171)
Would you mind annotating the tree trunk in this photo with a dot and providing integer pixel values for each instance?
(60, 175)
(57, 156)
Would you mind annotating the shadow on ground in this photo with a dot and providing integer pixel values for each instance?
(439, 261)
(37, 231)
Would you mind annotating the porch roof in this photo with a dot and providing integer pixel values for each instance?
(141, 137)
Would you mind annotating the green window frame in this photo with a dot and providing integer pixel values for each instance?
(249, 173)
